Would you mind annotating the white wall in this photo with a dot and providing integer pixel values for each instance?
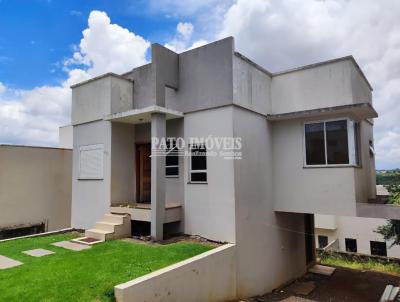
(270, 246)
(326, 190)
(65, 139)
(207, 277)
(91, 198)
(210, 208)
(35, 186)
(327, 85)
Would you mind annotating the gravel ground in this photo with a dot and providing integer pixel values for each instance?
(344, 285)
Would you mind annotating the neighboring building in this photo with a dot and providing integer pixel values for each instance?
(307, 147)
(35, 190)
(353, 234)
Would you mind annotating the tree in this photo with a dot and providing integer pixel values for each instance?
(390, 231)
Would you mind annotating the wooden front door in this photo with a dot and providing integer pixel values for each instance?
(143, 173)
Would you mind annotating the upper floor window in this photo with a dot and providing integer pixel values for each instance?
(171, 159)
(198, 164)
(331, 143)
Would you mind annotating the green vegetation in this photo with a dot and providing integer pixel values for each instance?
(360, 263)
(88, 275)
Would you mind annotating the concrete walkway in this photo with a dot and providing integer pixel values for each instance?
(71, 246)
(6, 262)
(38, 252)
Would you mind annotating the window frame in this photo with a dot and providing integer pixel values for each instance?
(348, 240)
(83, 148)
(171, 166)
(196, 171)
(350, 144)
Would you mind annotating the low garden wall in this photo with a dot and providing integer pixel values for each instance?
(210, 276)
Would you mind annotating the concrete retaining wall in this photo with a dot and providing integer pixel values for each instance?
(210, 276)
(35, 187)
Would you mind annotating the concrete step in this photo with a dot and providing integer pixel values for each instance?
(99, 234)
(107, 226)
(114, 218)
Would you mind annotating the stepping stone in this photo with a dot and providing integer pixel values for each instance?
(322, 270)
(6, 262)
(38, 252)
(71, 245)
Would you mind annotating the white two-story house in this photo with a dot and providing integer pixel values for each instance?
(306, 146)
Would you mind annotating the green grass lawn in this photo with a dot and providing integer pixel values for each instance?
(88, 275)
(361, 264)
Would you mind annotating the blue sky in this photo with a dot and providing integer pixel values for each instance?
(47, 45)
(34, 40)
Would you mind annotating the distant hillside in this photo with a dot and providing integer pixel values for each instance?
(388, 177)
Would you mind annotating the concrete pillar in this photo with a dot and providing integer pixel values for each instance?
(158, 130)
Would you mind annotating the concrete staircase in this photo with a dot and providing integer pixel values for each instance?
(112, 226)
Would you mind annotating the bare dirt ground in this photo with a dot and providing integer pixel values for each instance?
(344, 285)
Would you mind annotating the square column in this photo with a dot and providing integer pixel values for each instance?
(158, 130)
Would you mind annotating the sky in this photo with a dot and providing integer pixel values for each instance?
(51, 44)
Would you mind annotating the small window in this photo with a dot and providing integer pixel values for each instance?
(91, 162)
(198, 164)
(322, 241)
(351, 245)
(326, 143)
(172, 159)
(378, 248)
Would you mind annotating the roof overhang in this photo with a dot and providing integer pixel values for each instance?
(143, 115)
(358, 111)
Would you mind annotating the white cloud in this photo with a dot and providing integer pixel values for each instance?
(2, 88)
(182, 40)
(32, 117)
(289, 33)
(185, 29)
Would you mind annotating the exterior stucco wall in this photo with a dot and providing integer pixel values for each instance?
(207, 277)
(143, 88)
(270, 246)
(327, 85)
(123, 169)
(205, 78)
(251, 87)
(210, 208)
(35, 186)
(327, 190)
(95, 99)
(91, 198)
(359, 228)
(65, 139)
(365, 177)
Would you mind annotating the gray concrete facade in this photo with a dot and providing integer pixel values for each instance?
(259, 202)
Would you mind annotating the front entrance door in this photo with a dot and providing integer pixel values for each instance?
(143, 173)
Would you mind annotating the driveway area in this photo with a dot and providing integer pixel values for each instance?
(343, 285)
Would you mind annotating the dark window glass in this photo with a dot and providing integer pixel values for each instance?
(172, 171)
(336, 142)
(199, 176)
(315, 144)
(198, 163)
(198, 158)
(351, 245)
(171, 159)
(322, 241)
(357, 143)
(378, 248)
